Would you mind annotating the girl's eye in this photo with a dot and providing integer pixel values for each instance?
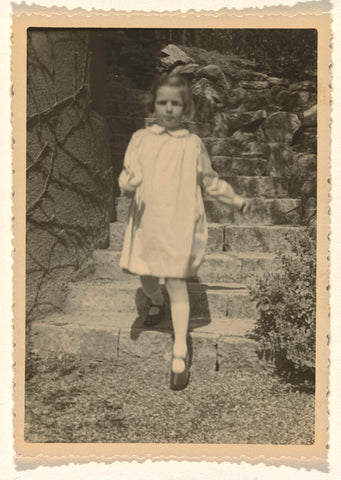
(164, 102)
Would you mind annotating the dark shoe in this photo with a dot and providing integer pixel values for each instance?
(179, 381)
(153, 320)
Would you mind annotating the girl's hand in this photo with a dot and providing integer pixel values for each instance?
(245, 207)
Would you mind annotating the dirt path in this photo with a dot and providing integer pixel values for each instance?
(72, 400)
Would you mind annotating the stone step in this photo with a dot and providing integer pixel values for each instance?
(264, 211)
(235, 166)
(215, 236)
(227, 168)
(258, 186)
(255, 238)
(220, 300)
(216, 267)
(237, 238)
(243, 145)
(218, 344)
(224, 166)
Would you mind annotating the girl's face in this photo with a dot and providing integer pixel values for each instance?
(169, 107)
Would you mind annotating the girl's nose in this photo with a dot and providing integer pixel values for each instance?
(169, 106)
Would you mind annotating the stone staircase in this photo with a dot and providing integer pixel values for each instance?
(103, 313)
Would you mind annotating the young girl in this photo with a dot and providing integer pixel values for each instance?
(165, 167)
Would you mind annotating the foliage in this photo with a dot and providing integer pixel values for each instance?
(289, 53)
(286, 301)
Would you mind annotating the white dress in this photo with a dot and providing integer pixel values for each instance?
(166, 233)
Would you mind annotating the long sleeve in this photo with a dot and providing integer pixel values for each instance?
(212, 184)
(131, 175)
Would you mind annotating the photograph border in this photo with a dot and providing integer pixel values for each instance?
(53, 454)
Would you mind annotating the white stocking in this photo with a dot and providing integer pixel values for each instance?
(179, 301)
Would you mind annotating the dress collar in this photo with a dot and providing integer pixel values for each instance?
(158, 129)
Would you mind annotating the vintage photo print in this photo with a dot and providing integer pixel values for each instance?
(171, 236)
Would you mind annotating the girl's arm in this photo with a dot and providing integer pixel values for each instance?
(131, 175)
(213, 185)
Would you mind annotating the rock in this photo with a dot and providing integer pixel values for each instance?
(233, 98)
(173, 56)
(240, 93)
(212, 72)
(207, 100)
(241, 119)
(305, 140)
(272, 108)
(238, 62)
(233, 146)
(220, 125)
(215, 74)
(244, 74)
(204, 88)
(309, 188)
(307, 85)
(256, 100)
(240, 136)
(309, 210)
(294, 100)
(188, 70)
(279, 82)
(254, 85)
(307, 163)
(202, 129)
(303, 182)
(280, 127)
(310, 117)
(281, 162)
(274, 90)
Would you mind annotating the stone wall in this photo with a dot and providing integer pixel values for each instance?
(242, 112)
(69, 172)
(240, 109)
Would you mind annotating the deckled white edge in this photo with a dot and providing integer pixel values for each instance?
(165, 470)
(161, 5)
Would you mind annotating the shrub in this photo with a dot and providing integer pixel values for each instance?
(286, 302)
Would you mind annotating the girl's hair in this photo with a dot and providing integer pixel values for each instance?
(179, 82)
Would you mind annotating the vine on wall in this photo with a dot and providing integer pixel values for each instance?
(68, 167)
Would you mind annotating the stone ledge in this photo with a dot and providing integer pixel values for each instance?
(210, 350)
(206, 300)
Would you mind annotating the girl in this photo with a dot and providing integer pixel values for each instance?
(165, 167)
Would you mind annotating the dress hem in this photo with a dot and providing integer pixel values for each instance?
(158, 275)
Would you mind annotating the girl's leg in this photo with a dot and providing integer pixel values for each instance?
(151, 288)
(179, 302)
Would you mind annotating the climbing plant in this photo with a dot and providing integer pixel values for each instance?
(67, 176)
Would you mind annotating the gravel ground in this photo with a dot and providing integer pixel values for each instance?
(69, 399)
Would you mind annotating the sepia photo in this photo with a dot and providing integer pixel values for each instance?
(176, 211)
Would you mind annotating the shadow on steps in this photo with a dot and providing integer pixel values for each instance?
(199, 311)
